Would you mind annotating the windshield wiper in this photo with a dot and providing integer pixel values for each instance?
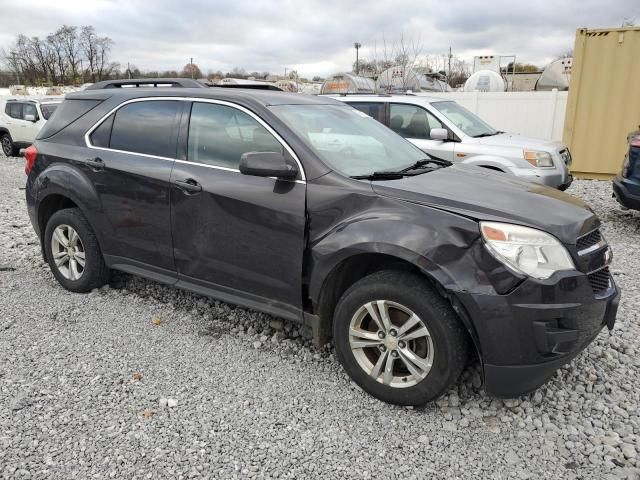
(379, 176)
(480, 135)
(426, 161)
(394, 175)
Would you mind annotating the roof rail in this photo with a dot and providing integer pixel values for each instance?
(251, 86)
(147, 82)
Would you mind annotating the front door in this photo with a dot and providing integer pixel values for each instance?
(414, 123)
(237, 234)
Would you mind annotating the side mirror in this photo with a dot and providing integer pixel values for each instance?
(267, 164)
(439, 134)
(30, 117)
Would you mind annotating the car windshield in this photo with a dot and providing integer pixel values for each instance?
(348, 140)
(48, 109)
(466, 121)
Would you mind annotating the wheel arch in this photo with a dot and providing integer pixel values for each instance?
(54, 193)
(347, 270)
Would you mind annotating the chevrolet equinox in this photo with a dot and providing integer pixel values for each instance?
(305, 208)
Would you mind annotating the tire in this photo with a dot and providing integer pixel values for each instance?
(8, 148)
(411, 381)
(83, 278)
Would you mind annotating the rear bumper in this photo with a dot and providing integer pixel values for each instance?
(525, 336)
(626, 192)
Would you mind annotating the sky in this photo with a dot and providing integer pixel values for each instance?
(314, 37)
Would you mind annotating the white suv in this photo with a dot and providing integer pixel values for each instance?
(444, 129)
(21, 120)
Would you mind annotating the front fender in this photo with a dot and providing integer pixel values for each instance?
(493, 161)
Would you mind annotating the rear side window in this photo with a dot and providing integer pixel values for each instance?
(14, 110)
(102, 135)
(219, 135)
(374, 110)
(146, 127)
(67, 113)
(29, 109)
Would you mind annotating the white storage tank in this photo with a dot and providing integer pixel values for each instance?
(556, 75)
(485, 81)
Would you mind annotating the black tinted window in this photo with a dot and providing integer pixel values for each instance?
(146, 127)
(101, 135)
(67, 113)
(48, 109)
(374, 110)
(219, 135)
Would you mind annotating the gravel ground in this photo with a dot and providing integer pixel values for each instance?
(138, 380)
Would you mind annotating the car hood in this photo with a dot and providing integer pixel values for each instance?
(486, 195)
(515, 140)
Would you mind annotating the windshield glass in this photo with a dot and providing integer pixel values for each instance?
(48, 109)
(348, 140)
(462, 118)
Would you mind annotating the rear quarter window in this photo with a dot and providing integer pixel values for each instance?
(68, 112)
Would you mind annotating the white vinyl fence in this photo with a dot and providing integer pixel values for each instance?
(535, 114)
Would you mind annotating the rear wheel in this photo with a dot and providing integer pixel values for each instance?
(73, 252)
(8, 148)
(399, 339)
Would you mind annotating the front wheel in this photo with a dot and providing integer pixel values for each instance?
(399, 339)
(73, 252)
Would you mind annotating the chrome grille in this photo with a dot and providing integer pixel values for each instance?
(600, 280)
(589, 240)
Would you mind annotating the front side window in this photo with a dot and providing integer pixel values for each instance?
(374, 110)
(466, 121)
(347, 140)
(29, 109)
(412, 121)
(219, 135)
(146, 127)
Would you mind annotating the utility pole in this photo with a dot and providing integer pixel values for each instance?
(357, 45)
(191, 66)
(449, 70)
(129, 70)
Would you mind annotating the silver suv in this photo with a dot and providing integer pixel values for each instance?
(444, 129)
(21, 120)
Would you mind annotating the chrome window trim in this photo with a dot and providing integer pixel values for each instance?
(88, 143)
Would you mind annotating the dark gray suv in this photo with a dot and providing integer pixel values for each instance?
(305, 208)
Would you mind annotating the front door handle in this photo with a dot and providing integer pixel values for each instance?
(95, 163)
(188, 186)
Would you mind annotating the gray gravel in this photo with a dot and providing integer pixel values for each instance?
(138, 380)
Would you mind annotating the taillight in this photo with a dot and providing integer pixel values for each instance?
(30, 155)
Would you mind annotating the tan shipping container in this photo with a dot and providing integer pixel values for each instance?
(604, 99)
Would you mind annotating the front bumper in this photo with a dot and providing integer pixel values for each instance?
(557, 177)
(626, 192)
(526, 335)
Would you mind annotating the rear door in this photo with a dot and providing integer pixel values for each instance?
(130, 157)
(240, 235)
(15, 124)
(415, 123)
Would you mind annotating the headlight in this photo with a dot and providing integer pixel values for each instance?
(526, 250)
(538, 159)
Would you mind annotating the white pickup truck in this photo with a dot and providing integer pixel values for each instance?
(21, 120)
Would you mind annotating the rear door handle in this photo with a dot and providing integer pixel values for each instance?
(95, 163)
(188, 186)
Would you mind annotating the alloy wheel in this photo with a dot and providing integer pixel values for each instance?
(68, 252)
(391, 343)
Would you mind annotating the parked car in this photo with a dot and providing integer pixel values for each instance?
(21, 120)
(444, 129)
(626, 186)
(304, 208)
